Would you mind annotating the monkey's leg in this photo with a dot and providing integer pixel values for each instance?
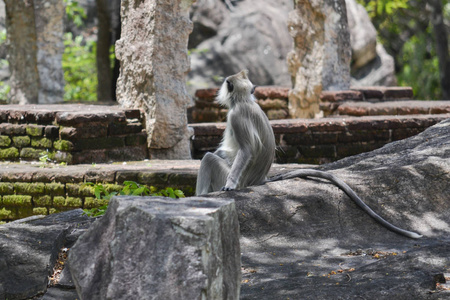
(212, 175)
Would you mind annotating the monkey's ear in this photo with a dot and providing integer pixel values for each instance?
(253, 89)
(244, 73)
(230, 86)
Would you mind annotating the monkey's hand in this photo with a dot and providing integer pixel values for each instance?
(226, 188)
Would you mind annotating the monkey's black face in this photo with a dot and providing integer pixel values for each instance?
(230, 86)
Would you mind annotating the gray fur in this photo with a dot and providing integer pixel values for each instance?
(247, 150)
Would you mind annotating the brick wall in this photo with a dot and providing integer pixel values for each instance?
(71, 134)
(327, 139)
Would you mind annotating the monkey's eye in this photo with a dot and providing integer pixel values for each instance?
(230, 86)
(253, 89)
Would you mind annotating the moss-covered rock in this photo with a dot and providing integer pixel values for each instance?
(34, 130)
(9, 154)
(6, 188)
(91, 202)
(63, 145)
(26, 188)
(45, 200)
(6, 214)
(30, 153)
(40, 211)
(37, 142)
(5, 141)
(55, 189)
(21, 141)
(76, 190)
(17, 200)
(67, 202)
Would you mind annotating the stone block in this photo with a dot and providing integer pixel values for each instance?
(35, 130)
(31, 153)
(180, 249)
(63, 145)
(11, 153)
(6, 188)
(21, 141)
(136, 139)
(43, 201)
(38, 142)
(99, 143)
(94, 130)
(51, 132)
(28, 188)
(124, 128)
(40, 211)
(81, 189)
(17, 200)
(12, 129)
(5, 141)
(67, 202)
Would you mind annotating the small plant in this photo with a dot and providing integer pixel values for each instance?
(130, 188)
(43, 159)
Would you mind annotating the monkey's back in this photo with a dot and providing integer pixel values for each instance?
(258, 134)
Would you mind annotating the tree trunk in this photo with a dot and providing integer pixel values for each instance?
(440, 33)
(104, 72)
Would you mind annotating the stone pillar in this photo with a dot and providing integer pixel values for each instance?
(35, 48)
(321, 56)
(154, 63)
(49, 20)
(160, 248)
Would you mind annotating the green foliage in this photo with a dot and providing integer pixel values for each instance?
(130, 188)
(79, 65)
(420, 69)
(404, 28)
(4, 88)
(75, 12)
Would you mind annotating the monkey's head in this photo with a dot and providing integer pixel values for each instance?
(236, 88)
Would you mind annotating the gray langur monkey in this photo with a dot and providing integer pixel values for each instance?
(247, 150)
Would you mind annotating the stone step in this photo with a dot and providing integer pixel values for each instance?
(411, 107)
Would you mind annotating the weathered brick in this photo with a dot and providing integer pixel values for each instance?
(17, 200)
(94, 130)
(51, 132)
(398, 93)
(45, 200)
(91, 202)
(334, 96)
(6, 188)
(317, 151)
(128, 153)
(124, 128)
(38, 142)
(55, 189)
(99, 143)
(40, 211)
(27, 188)
(136, 139)
(67, 202)
(12, 129)
(11, 153)
(78, 190)
(31, 153)
(5, 141)
(21, 141)
(35, 130)
(63, 145)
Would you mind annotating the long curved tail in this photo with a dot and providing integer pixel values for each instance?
(302, 173)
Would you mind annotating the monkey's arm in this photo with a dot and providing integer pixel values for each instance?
(303, 173)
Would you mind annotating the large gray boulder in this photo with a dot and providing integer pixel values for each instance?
(29, 249)
(249, 34)
(305, 239)
(160, 248)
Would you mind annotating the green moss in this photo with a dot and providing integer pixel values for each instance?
(63, 145)
(60, 156)
(17, 200)
(41, 143)
(6, 188)
(67, 202)
(43, 200)
(5, 141)
(34, 130)
(91, 202)
(21, 141)
(55, 189)
(40, 211)
(82, 189)
(23, 212)
(36, 188)
(9, 154)
(113, 187)
(30, 153)
(53, 211)
(5, 213)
